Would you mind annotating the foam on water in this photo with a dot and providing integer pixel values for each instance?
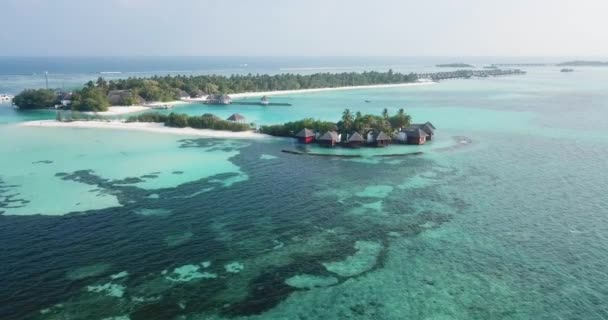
(267, 157)
(234, 267)
(109, 289)
(120, 275)
(189, 272)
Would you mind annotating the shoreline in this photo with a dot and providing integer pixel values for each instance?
(146, 127)
(301, 91)
(122, 110)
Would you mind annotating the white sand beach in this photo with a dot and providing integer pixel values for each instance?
(300, 91)
(120, 110)
(145, 127)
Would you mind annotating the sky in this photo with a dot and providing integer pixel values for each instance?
(304, 28)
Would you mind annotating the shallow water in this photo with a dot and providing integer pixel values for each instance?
(512, 225)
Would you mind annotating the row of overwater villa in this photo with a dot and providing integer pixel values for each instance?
(415, 134)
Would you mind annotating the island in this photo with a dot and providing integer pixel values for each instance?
(583, 63)
(455, 65)
(138, 94)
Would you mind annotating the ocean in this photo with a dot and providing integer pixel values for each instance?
(502, 216)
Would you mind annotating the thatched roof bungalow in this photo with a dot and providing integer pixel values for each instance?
(329, 139)
(264, 101)
(305, 136)
(218, 99)
(236, 118)
(382, 139)
(355, 140)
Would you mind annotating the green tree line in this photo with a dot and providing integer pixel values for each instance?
(94, 95)
(178, 120)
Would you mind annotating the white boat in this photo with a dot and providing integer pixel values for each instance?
(6, 98)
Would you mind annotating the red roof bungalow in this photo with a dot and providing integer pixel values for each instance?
(305, 136)
(416, 136)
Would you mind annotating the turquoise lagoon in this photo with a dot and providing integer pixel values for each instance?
(101, 224)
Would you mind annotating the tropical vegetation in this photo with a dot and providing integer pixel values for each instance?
(178, 120)
(349, 122)
(94, 95)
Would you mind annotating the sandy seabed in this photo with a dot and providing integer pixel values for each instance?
(146, 127)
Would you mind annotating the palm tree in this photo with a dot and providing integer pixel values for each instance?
(385, 114)
(347, 119)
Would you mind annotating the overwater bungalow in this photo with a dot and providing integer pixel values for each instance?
(329, 139)
(264, 101)
(382, 139)
(305, 136)
(427, 127)
(218, 99)
(236, 118)
(355, 140)
(416, 136)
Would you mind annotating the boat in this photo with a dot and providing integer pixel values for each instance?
(367, 101)
(264, 101)
(6, 98)
(162, 106)
(566, 70)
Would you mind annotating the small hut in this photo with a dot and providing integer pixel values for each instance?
(355, 140)
(328, 139)
(236, 118)
(416, 136)
(382, 139)
(305, 136)
(264, 101)
(218, 99)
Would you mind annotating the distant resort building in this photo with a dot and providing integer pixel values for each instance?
(355, 140)
(305, 136)
(329, 139)
(117, 97)
(218, 99)
(264, 101)
(65, 99)
(183, 95)
(236, 118)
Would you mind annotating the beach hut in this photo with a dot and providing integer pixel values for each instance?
(305, 136)
(355, 140)
(382, 139)
(218, 99)
(416, 136)
(264, 101)
(236, 118)
(183, 95)
(328, 139)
